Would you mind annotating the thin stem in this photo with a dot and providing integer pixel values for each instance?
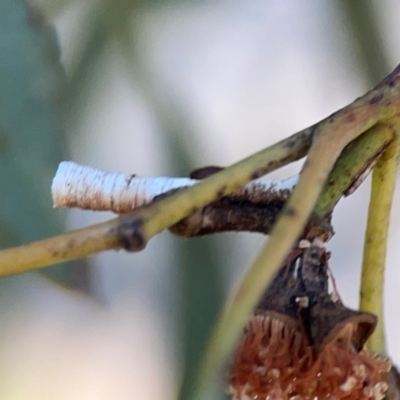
(352, 165)
(373, 267)
(283, 236)
(333, 135)
(132, 231)
(75, 244)
(171, 210)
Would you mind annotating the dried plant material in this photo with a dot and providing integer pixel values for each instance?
(91, 188)
(303, 345)
(393, 380)
(275, 361)
(231, 213)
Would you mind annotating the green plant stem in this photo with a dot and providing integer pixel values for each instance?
(333, 135)
(349, 166)
(373, 267)
(134, 230)
(125, 231)
(103, 236)
(56, 249)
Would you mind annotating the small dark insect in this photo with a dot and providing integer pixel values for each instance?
(302, 343)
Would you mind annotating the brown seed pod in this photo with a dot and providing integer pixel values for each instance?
(303, 343)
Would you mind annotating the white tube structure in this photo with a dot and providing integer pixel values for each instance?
(90, 188)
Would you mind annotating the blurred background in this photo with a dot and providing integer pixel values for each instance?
(161, 88)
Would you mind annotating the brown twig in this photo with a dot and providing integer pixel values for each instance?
(258, 212)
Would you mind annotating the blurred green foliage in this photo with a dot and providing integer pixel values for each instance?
(32, 140)
(366, 35)
(31, 137)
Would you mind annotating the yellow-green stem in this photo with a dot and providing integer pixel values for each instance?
(155, 217)
(373, 268)
(136, 229)
(320, 161)
(351, 164)
(68, 246)
(332, 137)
